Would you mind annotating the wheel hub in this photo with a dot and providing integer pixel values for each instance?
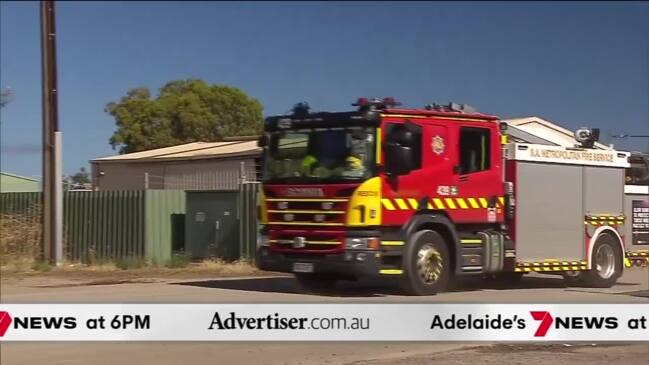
(429, 264)
(605, 261)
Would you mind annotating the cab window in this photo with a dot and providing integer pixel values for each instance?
(474, 150)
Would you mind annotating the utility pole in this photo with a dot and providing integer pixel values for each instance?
(52, 183)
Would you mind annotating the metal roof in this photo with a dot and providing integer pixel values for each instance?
(18, 176)
(189, 151)
(548, 131)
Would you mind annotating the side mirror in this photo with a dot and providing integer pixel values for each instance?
(262, 141)
(398, 159)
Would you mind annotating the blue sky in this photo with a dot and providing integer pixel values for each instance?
(572, 63)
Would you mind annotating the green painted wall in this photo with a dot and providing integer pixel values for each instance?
(10, 183)
(163, 208)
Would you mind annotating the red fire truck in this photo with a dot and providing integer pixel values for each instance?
(431, 194)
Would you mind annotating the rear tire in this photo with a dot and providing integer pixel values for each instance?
(426, 264)
(606, 263)
(316, 283)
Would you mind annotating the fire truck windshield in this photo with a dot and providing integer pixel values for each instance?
(320, 155)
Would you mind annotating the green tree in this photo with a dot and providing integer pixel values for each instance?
(80, 177)
(184, 111)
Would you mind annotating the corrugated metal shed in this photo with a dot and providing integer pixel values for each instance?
(10, 183)
(194, 150)
(193, 166)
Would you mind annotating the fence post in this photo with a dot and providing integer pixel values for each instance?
(242, 173)
(146, 181)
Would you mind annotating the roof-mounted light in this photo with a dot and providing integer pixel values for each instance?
(451, 107)
(365, 104)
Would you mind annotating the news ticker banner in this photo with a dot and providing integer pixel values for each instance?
(324, 322)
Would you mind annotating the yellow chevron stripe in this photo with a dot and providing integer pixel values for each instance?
(474, 203)
(387, 204)
(429, 206)
(413, 203)
(401, 204)
(450, 203)
(484, 202)
(461, 203)
(438, 203)
(502, 201)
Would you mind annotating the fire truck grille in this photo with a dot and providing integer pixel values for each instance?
(308, 212)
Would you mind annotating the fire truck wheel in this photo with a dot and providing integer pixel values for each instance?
(426, 264)
(315, 282)
(606, 263)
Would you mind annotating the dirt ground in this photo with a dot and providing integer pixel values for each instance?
(528, 354)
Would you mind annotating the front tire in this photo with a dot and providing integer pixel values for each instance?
(426, 264)
(606, 263)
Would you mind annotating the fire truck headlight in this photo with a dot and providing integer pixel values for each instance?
(288, 217)
(327, 205)
(282, 205)
(319, 217)
(362, 243)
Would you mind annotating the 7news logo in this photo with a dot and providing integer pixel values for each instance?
(577, 323)
(5, 322)
(35, 322)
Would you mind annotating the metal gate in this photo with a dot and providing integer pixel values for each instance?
(211, 224)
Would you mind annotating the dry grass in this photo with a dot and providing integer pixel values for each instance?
(20, 240)
(112, 271)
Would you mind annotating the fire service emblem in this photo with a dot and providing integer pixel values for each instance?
(438, 145)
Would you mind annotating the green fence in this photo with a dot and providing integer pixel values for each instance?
(146, 224)
(20, 204)
(108, 225)
(104, 225)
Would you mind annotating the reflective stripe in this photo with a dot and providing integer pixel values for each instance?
(474, 203)
(402, 204)
(392, 243)
(387, 204)
(391, 271)
(466, 240)
(484, 202)
(502, 201)
(441, 203)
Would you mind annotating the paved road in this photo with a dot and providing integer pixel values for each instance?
(632, 287)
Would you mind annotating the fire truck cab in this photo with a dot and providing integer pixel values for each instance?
(431, 194)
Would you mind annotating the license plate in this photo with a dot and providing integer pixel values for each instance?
(302, 267)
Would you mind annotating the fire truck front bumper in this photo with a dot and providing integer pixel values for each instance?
(352, 264)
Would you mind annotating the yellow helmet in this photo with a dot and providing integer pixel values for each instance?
(354, 163)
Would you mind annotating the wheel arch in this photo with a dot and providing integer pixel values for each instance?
(598, 232)
(439, 222)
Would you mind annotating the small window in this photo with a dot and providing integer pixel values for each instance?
(474, 150)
